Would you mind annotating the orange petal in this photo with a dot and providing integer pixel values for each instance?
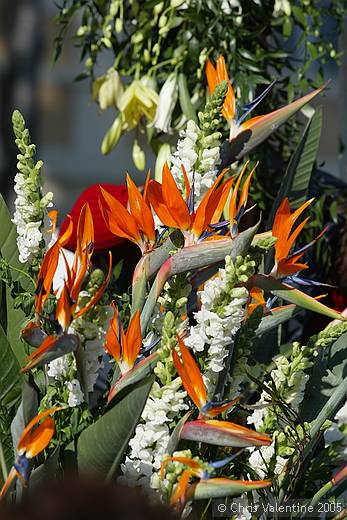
(140, 211)
(178, 497)
(63, 309)
(112, 342)
(217, 410)
(118, 219)
(191, 376)
(232, 207)
(244, 192)
(39, 438)
(46, 275)
(133, 341)
(174, 201)
(205, 210)
(229, 103)
(26, 435)
(85, 231)
(211, 76)
(155, 197)
(48, 343)
(65, 237)
(186, 181)
(10, 478)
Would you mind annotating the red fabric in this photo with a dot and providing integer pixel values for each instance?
(104, 239)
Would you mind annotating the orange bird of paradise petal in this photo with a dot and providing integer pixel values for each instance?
(190, 374)
(255, 299)
(136, 226)
(124, 347)
(140, 210)
(193, 382)
(46, 345)
(216, 76)
(31, 442)
(282, 229)
(175, 203)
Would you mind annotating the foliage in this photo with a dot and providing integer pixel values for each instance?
(158, 387)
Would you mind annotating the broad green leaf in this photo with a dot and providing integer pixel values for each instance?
(288, 293)
(223, 487)
(101, 446)
(327, 373)
(9, 369)
(297, 177)
(278, 315)
(9, 251)
(45, 471)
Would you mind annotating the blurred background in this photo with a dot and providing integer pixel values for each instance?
(67, 126)
(64, 122)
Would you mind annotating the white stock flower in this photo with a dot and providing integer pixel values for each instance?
(59, 367)
(152, 435)
(261, 458)
(75, 393)
(214, 332)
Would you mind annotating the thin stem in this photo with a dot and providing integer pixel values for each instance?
(23, 273)
(3, 463)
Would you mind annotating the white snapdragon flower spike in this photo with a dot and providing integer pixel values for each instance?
(27, 216)
(152, 435)
(186, 154)
(214, 332)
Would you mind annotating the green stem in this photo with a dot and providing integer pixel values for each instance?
(3, 463)
(321, 492)
(24, 273)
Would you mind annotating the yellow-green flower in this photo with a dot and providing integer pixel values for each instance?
(138, 101)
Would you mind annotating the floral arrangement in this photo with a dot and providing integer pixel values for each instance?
(181, 386)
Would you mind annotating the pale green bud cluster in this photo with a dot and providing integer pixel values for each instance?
(237, 273)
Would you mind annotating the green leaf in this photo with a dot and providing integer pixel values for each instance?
(327, 373)
(9, 251)
(277, 317)
(45, 471)
(9, 369)
(101, 446)
(289, 294)
(184, 98)
(223, 487)
(297, 177)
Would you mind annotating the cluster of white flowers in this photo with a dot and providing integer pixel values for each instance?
(261, 458)
(152, 435)
(215, 331)
(28, 216)
(187, 155)
(289, 376)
